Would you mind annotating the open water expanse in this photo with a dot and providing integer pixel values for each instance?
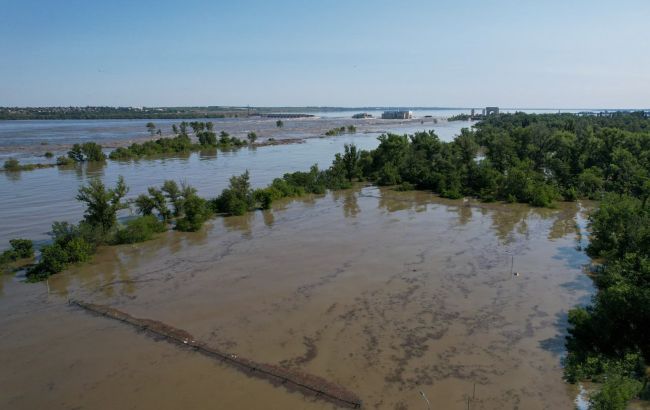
(31, 200)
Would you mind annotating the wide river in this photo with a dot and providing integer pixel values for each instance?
(31, 200)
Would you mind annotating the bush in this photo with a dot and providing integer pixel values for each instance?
(24, 248)
(53, 260)
(12, 164)
(264, 197)
(196, 211)
(541, 195)
(237, 199)
(88, 151)
(230, 203)
(139, 230)
(389, 175)
(48, 154)
(615, 393)
(72, 244)
(64, 161)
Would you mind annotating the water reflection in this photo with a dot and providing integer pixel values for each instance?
(350, 203)
(13, 176)
(464, 213)
(241, 223)
(269, 218)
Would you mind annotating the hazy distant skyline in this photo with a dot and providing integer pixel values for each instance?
(551, 54)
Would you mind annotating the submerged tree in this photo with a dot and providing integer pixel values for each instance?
(151, 127)
(102, 204)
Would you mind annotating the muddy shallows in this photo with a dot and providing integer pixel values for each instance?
(308, 384)
(388, 294)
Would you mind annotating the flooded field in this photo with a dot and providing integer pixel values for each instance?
(388, 294)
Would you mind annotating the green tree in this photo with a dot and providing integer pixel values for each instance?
(102, 204)
(279, 124)
(151, 127)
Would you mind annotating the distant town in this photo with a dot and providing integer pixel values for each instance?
(105, 112)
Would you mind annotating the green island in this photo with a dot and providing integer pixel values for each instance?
(527, 158)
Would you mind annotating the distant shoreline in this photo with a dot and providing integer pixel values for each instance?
(217, 112)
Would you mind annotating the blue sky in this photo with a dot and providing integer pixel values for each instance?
(536, 54)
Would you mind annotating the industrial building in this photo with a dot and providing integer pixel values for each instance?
(397, 115)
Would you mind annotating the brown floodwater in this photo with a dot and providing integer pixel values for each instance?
(386, 293)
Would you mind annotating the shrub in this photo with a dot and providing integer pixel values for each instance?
(53, 260)
(237, 199)
(24, 248)
(207, 139)
(264, 197)
(88, 151)
(541, 195)
(64, 161)
(140, 229)
(72, 244)
(196, 211)
(48, 154)
(388, 175)
(12, 164)
(615, 393)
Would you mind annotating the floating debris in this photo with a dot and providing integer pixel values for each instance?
(307, 384)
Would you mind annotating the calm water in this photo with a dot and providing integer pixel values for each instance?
(30, 201)
(385, 293)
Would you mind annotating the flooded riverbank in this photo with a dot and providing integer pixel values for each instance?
(29, 140)
(32, 200)
(385, 293)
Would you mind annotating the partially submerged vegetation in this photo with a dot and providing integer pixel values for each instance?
(609, 340)
(350, 129)
(21, 249)
(535, 159)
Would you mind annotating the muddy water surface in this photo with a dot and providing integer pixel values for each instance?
(385, 293)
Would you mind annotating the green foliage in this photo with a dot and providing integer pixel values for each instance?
(207, 138)
(23, 248)
(140, 229)
(347, 165)
(102, 204)
(460, 117)
(88, 151)
(263, 197)
(615, 393)
(178, 144)
(71, 244)
(279, 124)
(173, 194)
(151, 127)
(20, 249)
(64, 161)
(12, 164)
(226, 141)
(48, 154)
(608, 340)
(620, 226)
(196, 212)
(237, 199)
(252, 137)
